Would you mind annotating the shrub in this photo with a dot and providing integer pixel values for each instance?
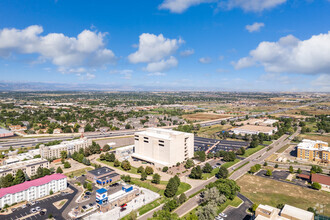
(143, 176)
(140, 169)
(223, 173)
(126, 165)
(316, 185)
(156, 178)
(269, 173)
(165, 169)
(149, 170)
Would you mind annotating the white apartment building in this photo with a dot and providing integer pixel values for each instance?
(69, 146)
(34, 189)
(29, 167)
(163, 147)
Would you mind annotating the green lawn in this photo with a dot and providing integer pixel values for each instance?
(282, 149)
(78, 172)
(208, 175)
(251, 151)
(235, 203)
(231, 163)
(133, 170)
(150, 206)
(267, 142)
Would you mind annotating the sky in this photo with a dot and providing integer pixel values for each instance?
(218, 45)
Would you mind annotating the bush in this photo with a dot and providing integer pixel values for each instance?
(116, 163)
(143, 176)
(126, 165)
(189, 164)
(51, 192)
(276, 166)
(316, 185)
(265, 164)
(140, 169)
(269, 173)
(59, 170)
(67, 164)
(149, 170)
(196, 173)
(126, 178)
(165, 169)
(156, 178)
(207, 168)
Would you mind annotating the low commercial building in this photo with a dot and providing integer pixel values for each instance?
(103, 176)
(254, 129)
(5, 133)
(124, 153)
(17, 128)
(34, 189)
(163, 147)
(117, 199)
(69, 146)
(29, 167)
(323, 180)
(314, 150)
(266, 212)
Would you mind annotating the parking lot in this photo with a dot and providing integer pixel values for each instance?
(203, 144)
(277, 174)
(47, 204)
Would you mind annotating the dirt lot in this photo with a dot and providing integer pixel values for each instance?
(204, 116)
(323, 137)
(120, 142)
(271, 192)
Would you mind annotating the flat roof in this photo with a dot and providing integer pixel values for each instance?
(111, 175)
(101, 171)
(160, 133)
(254, 128)
(297, 213)
(4, 131)
(101, 191)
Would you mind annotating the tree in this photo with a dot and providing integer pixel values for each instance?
(59, 170)
(316, 169)
(7, 181)
(102, 157)
(311, 209)
(165, 169)
(45, 172)
(67, 164)
(316, 185)
(182, 198)
(240, 151)
(207, 168)
(89, 187)
(253, 169)
(189, 164)
(112, 157)
(171, 188)
(165, 215)
(276, 166)
(39, 172)
(254, 144)
(126, 165)
(106, 148)
(223, 173)
(254, 207)
(156, 178)
(208, 211)
(170, 205)
(51, 192)
(291, 169)
(196, 173)
(149, 170)
(269, 173)
(229, 156)
(280, 206)
(64, 154)
(143, 176)
(140, 169)
(177, 180)
(299, 171)
(126, 178)
(116, 163)
(265, 164)
(19, 178)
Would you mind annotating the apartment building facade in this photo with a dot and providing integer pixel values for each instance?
(29, 167)
(69, 146)
(34, 189)
(311, 150)
(163, 147)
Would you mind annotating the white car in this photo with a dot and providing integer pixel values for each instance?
(33, 210)
(218, 218)
(38, 209)
(223, 215)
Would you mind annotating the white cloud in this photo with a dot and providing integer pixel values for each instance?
(126, 73)
(254, 27)
(186, 53)
(221, 57)
(87, 49)
(153, 48)
(322, 81)
(253, 5)
(86, 76)
(162, 65)
(179, 6)
(156, 74)
(205, 60)
(291, 55)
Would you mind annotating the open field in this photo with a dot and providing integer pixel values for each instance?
(211, 130)
(204, 116)
(324, 137)
(251, 151)
(271, 192)
(78, 172)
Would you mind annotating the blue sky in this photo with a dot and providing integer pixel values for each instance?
(224, 45)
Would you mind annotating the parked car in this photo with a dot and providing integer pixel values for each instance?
(42, 213)
(33, 210)
(223, 215)
(32, 203)
(23, 206)
(84, 207)
(38, 209)
(88, 193)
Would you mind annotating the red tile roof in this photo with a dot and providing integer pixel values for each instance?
(304, 176)
(26, 185)
(322, 179)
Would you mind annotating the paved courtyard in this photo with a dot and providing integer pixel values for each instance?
(143, 199)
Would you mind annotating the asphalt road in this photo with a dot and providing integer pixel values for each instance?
(240, 212)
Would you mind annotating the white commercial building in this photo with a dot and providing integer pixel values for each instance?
(69, 146)
(163, 147)
(32, 190)
(254, 129)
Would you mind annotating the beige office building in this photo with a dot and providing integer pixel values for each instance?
(266, 212)
(29, 167)
(163, 147)
(69, 146)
